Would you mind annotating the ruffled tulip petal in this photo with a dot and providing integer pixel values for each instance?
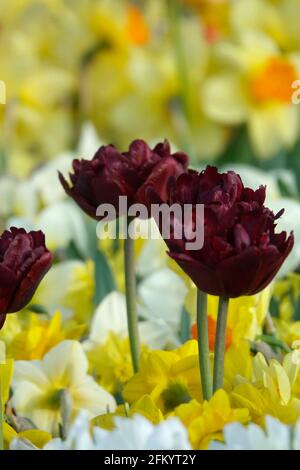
(111, 174)
(241, 253)
(24, 260)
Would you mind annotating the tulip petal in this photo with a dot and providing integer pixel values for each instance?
(239, 272)
(2, 320)
(204, 277)
(28, 286)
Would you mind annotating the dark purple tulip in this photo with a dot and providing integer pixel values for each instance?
(241, 252)
(111, 174)
(24, 261)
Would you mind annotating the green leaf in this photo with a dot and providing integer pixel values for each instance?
(293, 162)
(239, 149)
(104, 278)
(274, 342)
(39, 309)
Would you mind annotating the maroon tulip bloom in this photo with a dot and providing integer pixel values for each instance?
(24, 261)
(241, 252)
(111, 174)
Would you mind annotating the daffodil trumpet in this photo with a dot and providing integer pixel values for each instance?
(130, 291)
(220, 344)
(203, 345)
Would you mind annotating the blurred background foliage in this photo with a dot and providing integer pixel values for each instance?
(213, 76)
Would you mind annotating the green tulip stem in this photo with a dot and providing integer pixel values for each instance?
(203, 345)
(130, 290)
(1, 417)
(220, 344)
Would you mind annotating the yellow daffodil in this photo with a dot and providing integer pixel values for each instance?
(270, 391)
(42, 389)
(238, 363)
(145, 406)
(169, 377)
(111, 363)
(35, 436)
(246, 315)
(40, 335)
(205, 421)
(6, 372)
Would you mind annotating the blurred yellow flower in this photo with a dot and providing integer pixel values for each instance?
(215, 15)
(253, 85)
(288, 331)
(286, 293)
(278, 19)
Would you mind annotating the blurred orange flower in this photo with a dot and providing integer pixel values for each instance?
(137, 29)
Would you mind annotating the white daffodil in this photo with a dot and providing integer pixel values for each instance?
(160, 293)
(41, 388)
(69, 287)
(72, 227)
(135, 433)
(40, 201)
(140, 434)
(110, 316)
(161, 296)
(289, 221)
(277, 436)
